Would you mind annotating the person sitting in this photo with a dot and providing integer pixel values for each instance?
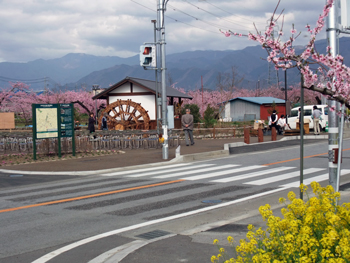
(281, 123)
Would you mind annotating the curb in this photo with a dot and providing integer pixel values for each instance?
(178, 158)
(227, 146)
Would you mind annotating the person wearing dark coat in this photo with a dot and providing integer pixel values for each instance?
(91, 126)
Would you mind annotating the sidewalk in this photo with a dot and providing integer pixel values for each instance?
(206, 148)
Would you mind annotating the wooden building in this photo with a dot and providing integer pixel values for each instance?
(131, 103)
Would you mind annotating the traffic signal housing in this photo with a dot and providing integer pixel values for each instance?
(148, 56)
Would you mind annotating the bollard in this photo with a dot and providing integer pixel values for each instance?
(177, 151)
(246, 136)
(273, 134)
(260, 135)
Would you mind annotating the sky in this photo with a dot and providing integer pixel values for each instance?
(47, 29)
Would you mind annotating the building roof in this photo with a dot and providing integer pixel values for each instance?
(260, 100)
(147, 84)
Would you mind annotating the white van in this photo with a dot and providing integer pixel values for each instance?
(294, 118)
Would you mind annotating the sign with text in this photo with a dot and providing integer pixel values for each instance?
(67, 120)
(46, 121)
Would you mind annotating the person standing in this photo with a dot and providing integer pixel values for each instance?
(104, 122)
(91, 125)
(187, 126)
(316, 115)
(273, 120)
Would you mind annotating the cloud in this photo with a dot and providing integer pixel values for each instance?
(33, 29)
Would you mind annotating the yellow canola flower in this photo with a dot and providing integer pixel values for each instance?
(317, 230)
(303, 188)
(291, 196)
(230, 239)
(215, 241)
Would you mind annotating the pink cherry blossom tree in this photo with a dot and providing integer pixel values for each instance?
(8, 93)
(322, 73)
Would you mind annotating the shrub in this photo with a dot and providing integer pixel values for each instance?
(209, 117)
(317, 230)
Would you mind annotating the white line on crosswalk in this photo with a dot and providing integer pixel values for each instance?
(244, 176)
(196, 171)
(165, 170)
(146, 169)
(230, 171)
(283, 177)
(318, 178)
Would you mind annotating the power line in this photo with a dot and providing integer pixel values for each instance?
(176, 20)
(196, 18)
(27, 80)
(220, 17)
(229, 12)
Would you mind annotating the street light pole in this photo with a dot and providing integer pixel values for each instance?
(95, 88)
(333, 133)
(285, 92)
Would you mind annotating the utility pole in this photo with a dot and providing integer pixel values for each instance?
(160, 11)
(158, 115)
(202, 88)
(95, 88)
(333, 132)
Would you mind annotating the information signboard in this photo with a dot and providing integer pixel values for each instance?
(53, 121)
(67, 120)
(46, 121)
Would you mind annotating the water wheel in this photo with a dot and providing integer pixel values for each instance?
(125, 115)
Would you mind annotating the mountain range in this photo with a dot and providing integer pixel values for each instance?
(76, 70)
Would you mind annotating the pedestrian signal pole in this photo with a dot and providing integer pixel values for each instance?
(148, 60)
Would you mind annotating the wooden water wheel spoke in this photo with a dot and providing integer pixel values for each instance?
(138, 117)
(115, 113)
(132, 115)
(128, 120)
(121, 112)
(128, 107)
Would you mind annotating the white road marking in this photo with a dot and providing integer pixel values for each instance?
(61, 250)
(319, 178)
(283, 177)
(145, 169)
(196, 171)
(231, 171)
(255, 174)
(165, 170)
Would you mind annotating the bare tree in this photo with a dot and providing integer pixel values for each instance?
(226, 84)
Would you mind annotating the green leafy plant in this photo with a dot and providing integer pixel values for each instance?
(317, 230)
(209, 117)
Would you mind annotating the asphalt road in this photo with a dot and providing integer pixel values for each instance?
(38, 219)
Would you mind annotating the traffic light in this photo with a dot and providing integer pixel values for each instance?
(148, 56)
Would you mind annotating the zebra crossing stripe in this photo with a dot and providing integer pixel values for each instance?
(254, 174)
(283, 177)
(318, 178)
(165, 170)
(196, 171)
(230, 171)
(145, 169)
